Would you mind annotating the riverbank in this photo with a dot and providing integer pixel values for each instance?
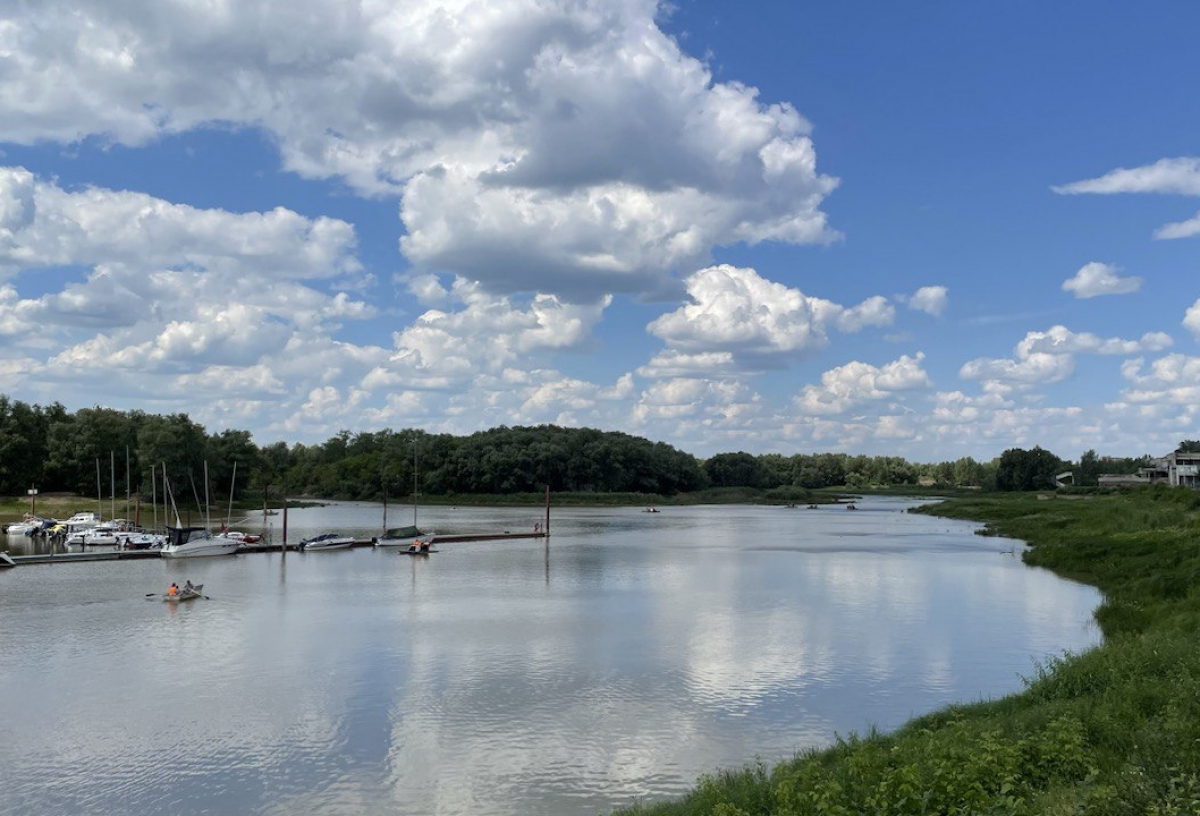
(1115, 730)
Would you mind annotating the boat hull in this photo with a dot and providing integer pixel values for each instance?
(209, 548)
(327, 541)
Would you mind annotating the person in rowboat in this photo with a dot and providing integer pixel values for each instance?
(188, 587)
(173, 590)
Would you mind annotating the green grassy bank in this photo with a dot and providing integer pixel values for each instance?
(1115, 730)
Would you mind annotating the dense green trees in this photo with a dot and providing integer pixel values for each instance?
(24, 435)
(51, 449)
(1021, 469)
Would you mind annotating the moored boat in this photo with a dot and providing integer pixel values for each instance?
(240, 537)
(195, 542)
(141, 541)
(327, 541)
(27, 525)
(403, 537)
(85, 518)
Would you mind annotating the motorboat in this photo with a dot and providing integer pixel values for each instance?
(327, 541)
(403, 537)
(92, 537)
(195, 542)
(141, 541)
(85, 518)
(240, 537)
(27, 525)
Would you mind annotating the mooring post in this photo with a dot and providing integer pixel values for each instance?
(547, 527)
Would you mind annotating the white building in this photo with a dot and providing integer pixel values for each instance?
(1177, 469)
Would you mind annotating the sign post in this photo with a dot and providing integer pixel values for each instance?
(32, 501)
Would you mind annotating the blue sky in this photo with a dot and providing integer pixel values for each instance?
(929, 230)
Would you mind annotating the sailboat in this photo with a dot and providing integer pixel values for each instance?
(193, 542)
(412, 536)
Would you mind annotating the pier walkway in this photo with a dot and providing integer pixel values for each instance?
(112, 554)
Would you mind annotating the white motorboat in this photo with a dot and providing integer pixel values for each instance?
(27, 525)
(85, 518)
(92, 537)
(141, 541)
(327, 541)
(249, 539)
(194, 542)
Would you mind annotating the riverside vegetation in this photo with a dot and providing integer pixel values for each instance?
(1114, 730)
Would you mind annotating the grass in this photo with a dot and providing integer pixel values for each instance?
(1114, 731)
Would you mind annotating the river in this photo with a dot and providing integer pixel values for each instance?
(616, 663)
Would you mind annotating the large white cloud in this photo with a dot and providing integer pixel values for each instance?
(120, 295)
(850, 385)
(1049, 356)
(758, 322)
(1096, 279)
(486, 335)
(562, 147)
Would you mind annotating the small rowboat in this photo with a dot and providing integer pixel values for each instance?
(418, 552)
(185, 594)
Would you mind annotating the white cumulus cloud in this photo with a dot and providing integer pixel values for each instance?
(1096, 279)
(929, 299)
(1191, 319)
(1049, 356)
(847, 386)
(569, 148)
(757, 321)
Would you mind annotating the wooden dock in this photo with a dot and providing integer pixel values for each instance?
(77, 557)
(133, 555)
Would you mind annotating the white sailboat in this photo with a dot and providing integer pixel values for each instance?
(193, 542)
(406, 537)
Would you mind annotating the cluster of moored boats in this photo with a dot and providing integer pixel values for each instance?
(88, 529)
(410, 540)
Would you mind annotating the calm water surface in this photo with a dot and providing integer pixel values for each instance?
(633, 653)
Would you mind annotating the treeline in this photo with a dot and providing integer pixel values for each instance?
(106, 451)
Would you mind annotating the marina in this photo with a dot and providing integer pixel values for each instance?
(614, 661)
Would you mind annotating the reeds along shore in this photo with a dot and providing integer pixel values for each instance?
(1115, 730)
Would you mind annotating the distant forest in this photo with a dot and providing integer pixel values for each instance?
(91, 451)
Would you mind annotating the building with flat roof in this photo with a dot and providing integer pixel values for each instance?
(1178, 469)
